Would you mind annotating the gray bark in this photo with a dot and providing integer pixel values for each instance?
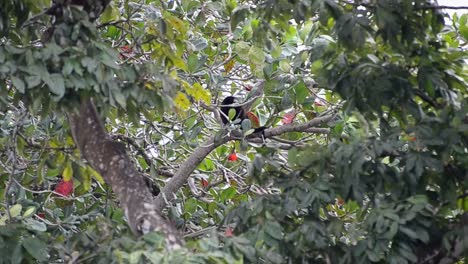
(110, 159)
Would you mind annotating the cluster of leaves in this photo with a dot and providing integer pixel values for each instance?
(403, 156)
(72, 64)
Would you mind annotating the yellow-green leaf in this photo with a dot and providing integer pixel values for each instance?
(256, 55)
(95, 175)
(181, 101)
(67, 173)
(15, 210)
(232, 113)
(285, 66)
(242, 50)
(200, 94)
(3, 220)
(86, 180)
(30, 211)
(177, 24)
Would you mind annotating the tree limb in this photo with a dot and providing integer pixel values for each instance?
(197, 156)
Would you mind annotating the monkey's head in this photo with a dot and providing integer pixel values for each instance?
(226, 107)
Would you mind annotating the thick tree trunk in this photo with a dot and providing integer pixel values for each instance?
(110, 159)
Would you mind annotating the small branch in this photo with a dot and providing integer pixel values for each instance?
(42, 147)
(276, 131)
(424, 7)
(428, 99)
(11, 176)
(59, 195)
(200, 232)
(442, 7)
(318, 130)
(112, 23)
(132, 142)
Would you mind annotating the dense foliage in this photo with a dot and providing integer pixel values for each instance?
(382, 181)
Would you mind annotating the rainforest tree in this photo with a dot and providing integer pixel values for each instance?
(113, 147)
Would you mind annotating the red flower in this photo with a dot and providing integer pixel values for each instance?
(319, 102)
(204, 183)
(248, 87)
(65, 188)
(126, 52)
(229, 232)
(126, 48)
(41, 215)
(339, 201)
(232, 157)
(288, 118)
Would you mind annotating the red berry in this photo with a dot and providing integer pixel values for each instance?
(65, 188)
(232, 157)
(204, 183)
(229, 232)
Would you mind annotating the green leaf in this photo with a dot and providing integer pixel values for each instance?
(242, 49)
(232, 113)
(286, 101)
(192, 63)
(95, 175)
(301, 92)
(238, 15)
(67, 173)
(246, 125)
(464, 26)
(228, 194)
(30, 211)
(154, 257)
(56, 84)
(18, 84)
(274, 229)
(409, 232)
(190, 205)
(15, 210)
(34, 225)
(285, 66)
(89, 63)
(119, 98)
(199, 44)
(134, 257)
(33, 81)
(36, 248)
(256, 55)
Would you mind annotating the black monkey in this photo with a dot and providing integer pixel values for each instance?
(240, 113)
(225, 108)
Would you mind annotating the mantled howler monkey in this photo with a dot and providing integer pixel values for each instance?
(240, 113)
(225, 108)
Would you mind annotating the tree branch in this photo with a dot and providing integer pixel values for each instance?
(197, 156)
(442, 7)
